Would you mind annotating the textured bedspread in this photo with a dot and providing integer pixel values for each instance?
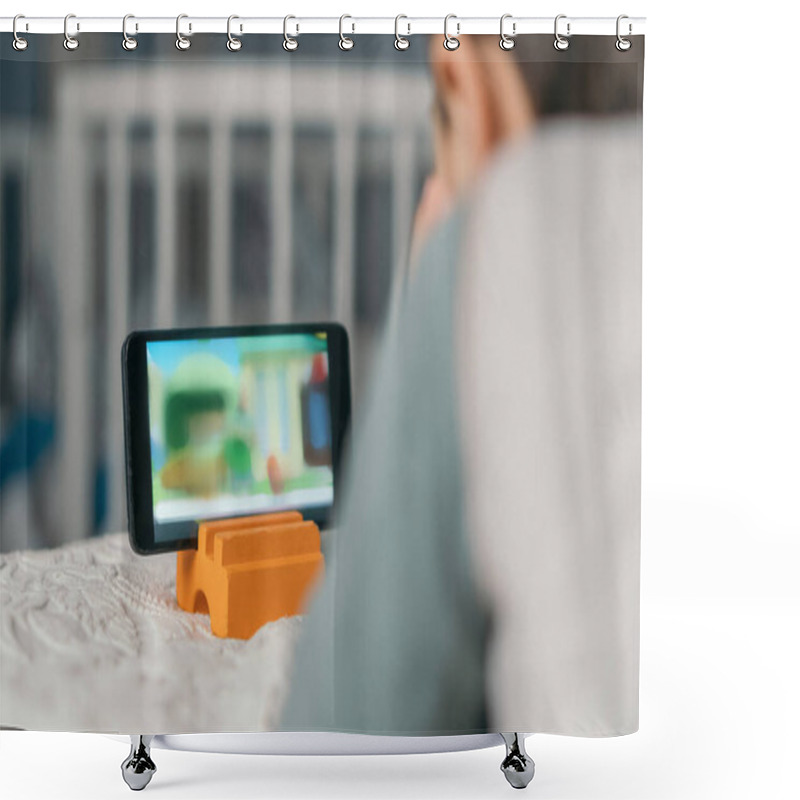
(92, 639)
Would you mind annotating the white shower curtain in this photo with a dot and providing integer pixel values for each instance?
(472, 216)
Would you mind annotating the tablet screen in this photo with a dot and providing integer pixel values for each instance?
(238, 426)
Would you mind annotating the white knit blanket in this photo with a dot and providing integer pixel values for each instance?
(92, 639)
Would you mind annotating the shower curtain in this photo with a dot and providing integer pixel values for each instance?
(471, 214)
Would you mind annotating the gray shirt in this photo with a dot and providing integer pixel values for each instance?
(395, 639)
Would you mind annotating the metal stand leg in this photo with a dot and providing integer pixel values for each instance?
(517, 766)
(138, 768)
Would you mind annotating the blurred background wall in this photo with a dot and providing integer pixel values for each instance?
(157, 189)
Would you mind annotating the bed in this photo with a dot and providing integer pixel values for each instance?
(83, 627)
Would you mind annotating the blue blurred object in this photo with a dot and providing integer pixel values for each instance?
(28, 439)
(100, 496)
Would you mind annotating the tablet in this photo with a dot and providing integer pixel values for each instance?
(231, 422)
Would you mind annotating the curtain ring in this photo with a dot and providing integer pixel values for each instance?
(181, 41)
(507, 42)
(451, 42)
(290, 43)
(233, 44)
(70, 42)
(128, 42)
(345, 42)
(400, 42)
(561, 42)
(623, 44)
(19, 44)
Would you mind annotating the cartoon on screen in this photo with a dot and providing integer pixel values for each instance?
(239, 425)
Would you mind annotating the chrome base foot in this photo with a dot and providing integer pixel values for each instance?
(517, 766)
(138, 768)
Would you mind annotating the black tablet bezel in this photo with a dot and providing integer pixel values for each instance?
(138, 473)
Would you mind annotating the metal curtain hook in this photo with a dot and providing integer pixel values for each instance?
(623, 44)
(345, 42)
(233, 43)
(507, 42)
(561, 42)
(70, 42)
(400, 42)
(19, 44)
(182, 42)
(290, 43)
(451, 42)
(128, 42)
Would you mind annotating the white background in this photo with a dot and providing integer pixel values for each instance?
(721, 477)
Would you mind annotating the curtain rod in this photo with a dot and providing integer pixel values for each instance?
(297, 26)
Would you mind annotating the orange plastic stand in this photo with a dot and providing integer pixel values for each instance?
(249, 570)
